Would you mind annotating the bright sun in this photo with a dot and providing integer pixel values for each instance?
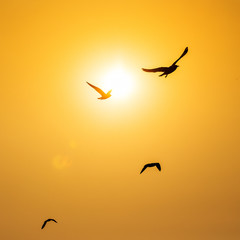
(119, 80)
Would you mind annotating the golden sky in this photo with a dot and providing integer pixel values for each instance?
(69, 156)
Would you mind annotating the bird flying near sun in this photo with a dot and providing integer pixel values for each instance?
(151, 165)
(167, 70)
(45, 222)
(100, 91)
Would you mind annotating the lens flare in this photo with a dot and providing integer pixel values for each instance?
(61, 161)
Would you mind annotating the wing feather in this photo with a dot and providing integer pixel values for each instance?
(97, 89)
(51, 219)
(44, 224)
(183, 54)
(158, 166)
(144, 168)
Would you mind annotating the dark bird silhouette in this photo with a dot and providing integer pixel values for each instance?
(45, 222)
(104, 95)
(167, 70)
(151, 165)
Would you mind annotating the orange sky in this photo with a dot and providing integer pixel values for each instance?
(66, 155)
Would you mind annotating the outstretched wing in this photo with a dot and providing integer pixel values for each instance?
(183, 54)
(144, 168)
(97, 89)
(160, 69)
(44, 224)
(158, 166)
(51, 219)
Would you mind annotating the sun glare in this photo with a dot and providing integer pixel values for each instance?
(119, 80)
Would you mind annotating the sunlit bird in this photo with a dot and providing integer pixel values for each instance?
(151, 165)
(45, 222)
(167, 70)
(104, 95)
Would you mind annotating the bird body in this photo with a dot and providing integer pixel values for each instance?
(167, 70)
(151, 165)
(45, 222)
(100, 91)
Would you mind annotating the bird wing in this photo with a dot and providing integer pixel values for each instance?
(158, 166)
(44, 224)
(97, 89)
(51, 219)
(183, 54)
(160, 69)
(144, 168)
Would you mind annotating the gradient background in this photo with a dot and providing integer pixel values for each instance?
(66, 155)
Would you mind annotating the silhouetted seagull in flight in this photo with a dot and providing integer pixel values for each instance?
(151, 165)
(167, 70)
(50, 219)
(104, 95)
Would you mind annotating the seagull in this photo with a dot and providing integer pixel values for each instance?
(45, 222)
(104, 95)
(167, 70)
(151, 165)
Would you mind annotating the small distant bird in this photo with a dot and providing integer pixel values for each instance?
(167, 70)
(151, 165)
(45, 222)
(104, 95)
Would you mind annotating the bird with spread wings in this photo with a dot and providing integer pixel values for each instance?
(167, 70)
(151, 165)
(45, 222)
(100, 91)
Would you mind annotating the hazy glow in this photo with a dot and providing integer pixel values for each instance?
(67, 155)
(119, 80)
(61, 161)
